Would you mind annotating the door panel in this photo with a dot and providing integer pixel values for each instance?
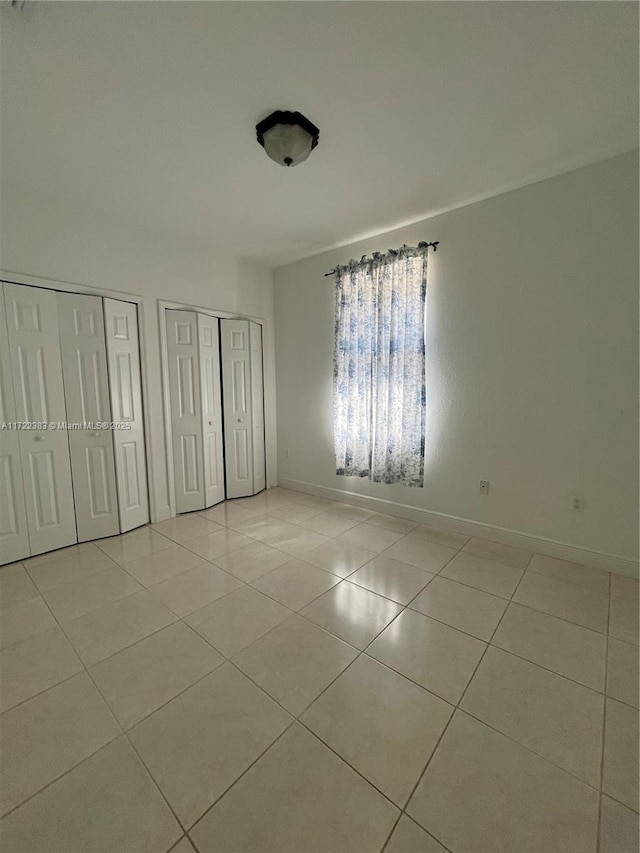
(236, 366)
(43, 481)
(14, 536)
(186, 409)
(190, 461)
(32, 324)
(86, 383)
(123, 357)
(241, 470)
(214, 490)
(239, 386)
(97, 464)
(257, 408)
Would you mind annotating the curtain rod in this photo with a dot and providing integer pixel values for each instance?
(422, 245)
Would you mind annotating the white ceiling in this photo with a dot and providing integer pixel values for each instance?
(145, 111)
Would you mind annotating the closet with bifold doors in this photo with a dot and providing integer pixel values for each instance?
(216, 408)
(72, 447)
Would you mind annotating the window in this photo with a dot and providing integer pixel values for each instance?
(379, 367)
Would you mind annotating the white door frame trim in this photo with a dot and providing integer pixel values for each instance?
(13, 277)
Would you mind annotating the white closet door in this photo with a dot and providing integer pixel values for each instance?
(236, 391)
(86, 386)
(32, 322)
(257, 408)
(186, 409)
(14, 536)
(123, 357)
(211, 409)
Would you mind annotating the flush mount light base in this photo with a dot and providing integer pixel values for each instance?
(288, 138)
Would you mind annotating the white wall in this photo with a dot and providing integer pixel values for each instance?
(532, 361)
(41, 239)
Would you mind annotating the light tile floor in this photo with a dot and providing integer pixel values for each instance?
(287, 673)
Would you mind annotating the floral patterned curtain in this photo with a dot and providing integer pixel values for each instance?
(379, 367)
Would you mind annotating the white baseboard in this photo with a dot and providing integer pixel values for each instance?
(526, 541)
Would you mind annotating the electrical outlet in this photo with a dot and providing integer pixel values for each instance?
(484, 487)
(577, 504)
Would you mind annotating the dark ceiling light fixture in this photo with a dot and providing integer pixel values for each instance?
(288, 138)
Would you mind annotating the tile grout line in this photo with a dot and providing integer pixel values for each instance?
(41, 592)
(225, 659)
(56, 559)
(544, 758)
(61, 776)
(551, 671)
(174, 847)
(393, 829)
(510, 651)
(438, 572)
(599, 789)
(626, 806)
(345, 761)
(296, 718)
(533, 663)
(235, 782)
(456, 708)
(412, 820)
(604, 725)
(291, 557)
(537, 609)
(124, 732)
(360, 652)
(44, 593)
(87, 757)
(183, 618)
(407, 606)
(51, 686)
